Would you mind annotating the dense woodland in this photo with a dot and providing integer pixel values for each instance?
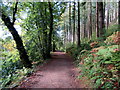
(88, 31)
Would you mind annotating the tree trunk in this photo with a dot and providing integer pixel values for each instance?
(107, 23)
(70, 31)
(90, 21)
(51, 29)
(110, 18)
(78, 31)
(45, 33)
(19, 44)
(67, 33)
(116, 12)
(104, 5)
(119, 15)
(74, 23)
(54, 46)
(101, 19)
(97, 20)
(84, 29)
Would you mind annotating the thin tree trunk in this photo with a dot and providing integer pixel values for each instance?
(67, 33)
(110, 18)
(51, 28)
(107, 23)
(85, 32)
(54, 46)
(70, 31)
(94, 24)
(116, 12)
(74, 23)
(97, 20)
(119, 15)
(78, 31)
(90, 21)
(104, 5)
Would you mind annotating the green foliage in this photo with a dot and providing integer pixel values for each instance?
(112, 29)
(103, 67)
(74, 51)
(10, 64)
(34, 20)
(11, 70)
(113, 39)
(100, 64)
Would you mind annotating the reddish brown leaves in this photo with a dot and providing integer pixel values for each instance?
(93, 44)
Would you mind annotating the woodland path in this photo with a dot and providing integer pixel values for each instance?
(59, 72)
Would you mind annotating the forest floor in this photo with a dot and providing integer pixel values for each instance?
(59, 72)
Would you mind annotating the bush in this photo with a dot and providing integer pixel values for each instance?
(74, 51)
(12, 70)
(102, 66)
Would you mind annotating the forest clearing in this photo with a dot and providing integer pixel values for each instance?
(60, 44)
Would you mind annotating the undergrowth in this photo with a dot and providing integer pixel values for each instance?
(12, 70)
(100, 63)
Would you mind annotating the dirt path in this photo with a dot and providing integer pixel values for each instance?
(58, 73)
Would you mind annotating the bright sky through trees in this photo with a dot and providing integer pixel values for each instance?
(17, 26)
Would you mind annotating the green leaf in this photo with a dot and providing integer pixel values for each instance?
(108, 62)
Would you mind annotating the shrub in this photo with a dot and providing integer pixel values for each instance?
(102, 67)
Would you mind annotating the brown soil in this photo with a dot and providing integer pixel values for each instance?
(58, 73)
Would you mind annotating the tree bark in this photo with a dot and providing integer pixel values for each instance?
(119, 15)
(101, 19)
(54, 45)
(67, 33)
(51, 29)
(45, 35)
(97, 20)
(116, 12)
(84, 29)
(19, 44)
(104, 5)
(78, 31)
(70, 30)
(110, 18)
(74, 23)
(107, 23)
(90, 21)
